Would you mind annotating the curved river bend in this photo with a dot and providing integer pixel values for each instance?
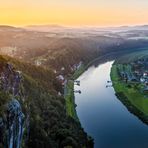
(103, 116)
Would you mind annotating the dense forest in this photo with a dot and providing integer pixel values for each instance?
(35, 56)
(49, 126)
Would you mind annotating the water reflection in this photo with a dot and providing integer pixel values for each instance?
(103, 116)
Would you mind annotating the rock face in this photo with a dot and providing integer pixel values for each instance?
(11, 80)
(15, 124)
(12, 124)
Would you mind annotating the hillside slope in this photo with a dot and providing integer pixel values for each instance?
(30, 105)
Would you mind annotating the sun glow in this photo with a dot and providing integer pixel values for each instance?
(70, 12)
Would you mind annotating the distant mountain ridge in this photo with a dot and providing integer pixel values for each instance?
(45, 28)
(56, 27)
(119, 28)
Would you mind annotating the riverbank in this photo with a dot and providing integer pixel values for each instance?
(69, 93)
(69, 98)
(129, 96)
(69, 87)
(101, 113)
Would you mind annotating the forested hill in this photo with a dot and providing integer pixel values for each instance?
(60, 46)
(30, 103)
(32, 106)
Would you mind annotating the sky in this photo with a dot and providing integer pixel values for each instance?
(74, 12)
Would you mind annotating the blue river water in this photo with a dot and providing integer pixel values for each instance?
(103, 116)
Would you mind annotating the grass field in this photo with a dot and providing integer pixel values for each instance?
(70, 101)
(133, 94)
(69, 94)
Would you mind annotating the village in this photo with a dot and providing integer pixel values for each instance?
(135, 73)
(62, 78)
(61, 74)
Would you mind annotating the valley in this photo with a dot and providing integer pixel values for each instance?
(49, 62)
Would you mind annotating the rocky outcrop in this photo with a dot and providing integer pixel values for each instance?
(12, 123)
(11, 80)
(15, 124)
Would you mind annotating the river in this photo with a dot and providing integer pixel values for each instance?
(103, 116)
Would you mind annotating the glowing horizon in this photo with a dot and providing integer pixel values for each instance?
(74, 12)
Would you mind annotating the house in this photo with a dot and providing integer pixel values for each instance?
(132, 78)
(59, 94)
(61, 79)
(62, 68)
(137, 72)
(142, 79)
(55, 71)
(123, 74)
(145, 74)
(38, 62)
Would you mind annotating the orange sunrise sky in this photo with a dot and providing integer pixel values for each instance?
(74, 12)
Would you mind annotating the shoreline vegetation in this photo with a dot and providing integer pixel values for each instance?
(69, 93)
(134, 101)
(69, 87)
(124, 98)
